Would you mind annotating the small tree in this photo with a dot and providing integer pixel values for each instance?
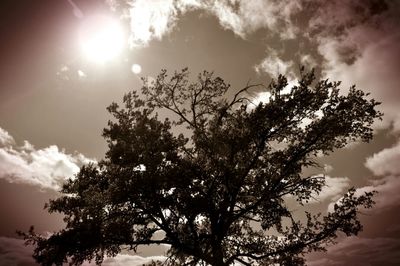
(220, 193)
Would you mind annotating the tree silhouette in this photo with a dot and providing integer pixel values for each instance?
(219, 193)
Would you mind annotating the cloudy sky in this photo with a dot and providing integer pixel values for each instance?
(64, 61)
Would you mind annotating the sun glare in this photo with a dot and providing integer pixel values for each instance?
(101, 38)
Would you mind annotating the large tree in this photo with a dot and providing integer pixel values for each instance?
(219, 192)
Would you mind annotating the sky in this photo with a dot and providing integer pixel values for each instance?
(56, 81)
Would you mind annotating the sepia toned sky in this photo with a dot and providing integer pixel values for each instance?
(55, 85)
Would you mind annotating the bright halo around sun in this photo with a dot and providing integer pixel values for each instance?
(101, 38)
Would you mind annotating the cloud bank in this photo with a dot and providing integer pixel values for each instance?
(46, 168)
(125, 259)
(14, 252)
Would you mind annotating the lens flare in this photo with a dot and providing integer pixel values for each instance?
(136, 69)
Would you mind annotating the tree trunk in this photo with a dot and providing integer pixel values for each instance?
(218, 256)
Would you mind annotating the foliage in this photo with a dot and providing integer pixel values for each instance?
(218, 194)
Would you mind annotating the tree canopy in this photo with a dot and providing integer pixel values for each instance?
(217, 193)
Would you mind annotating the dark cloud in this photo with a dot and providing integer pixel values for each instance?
(360, 251)
(14, 252)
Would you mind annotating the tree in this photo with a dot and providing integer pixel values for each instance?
(217, 193)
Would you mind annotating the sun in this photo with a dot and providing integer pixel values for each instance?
(101, 38)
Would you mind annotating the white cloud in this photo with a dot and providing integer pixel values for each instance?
(359, 45)
(358, 41)
(154, 19)
(274, 65)
(228, 18)
(151, 20)
(5, 138)
(245, 17)
(126, 259)
(375, 71)
(387, 197)
(345, 34)
(308, 60)
(333, 189)
(46, 168)
(264, 96)
(385, 162)
(261, 97)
